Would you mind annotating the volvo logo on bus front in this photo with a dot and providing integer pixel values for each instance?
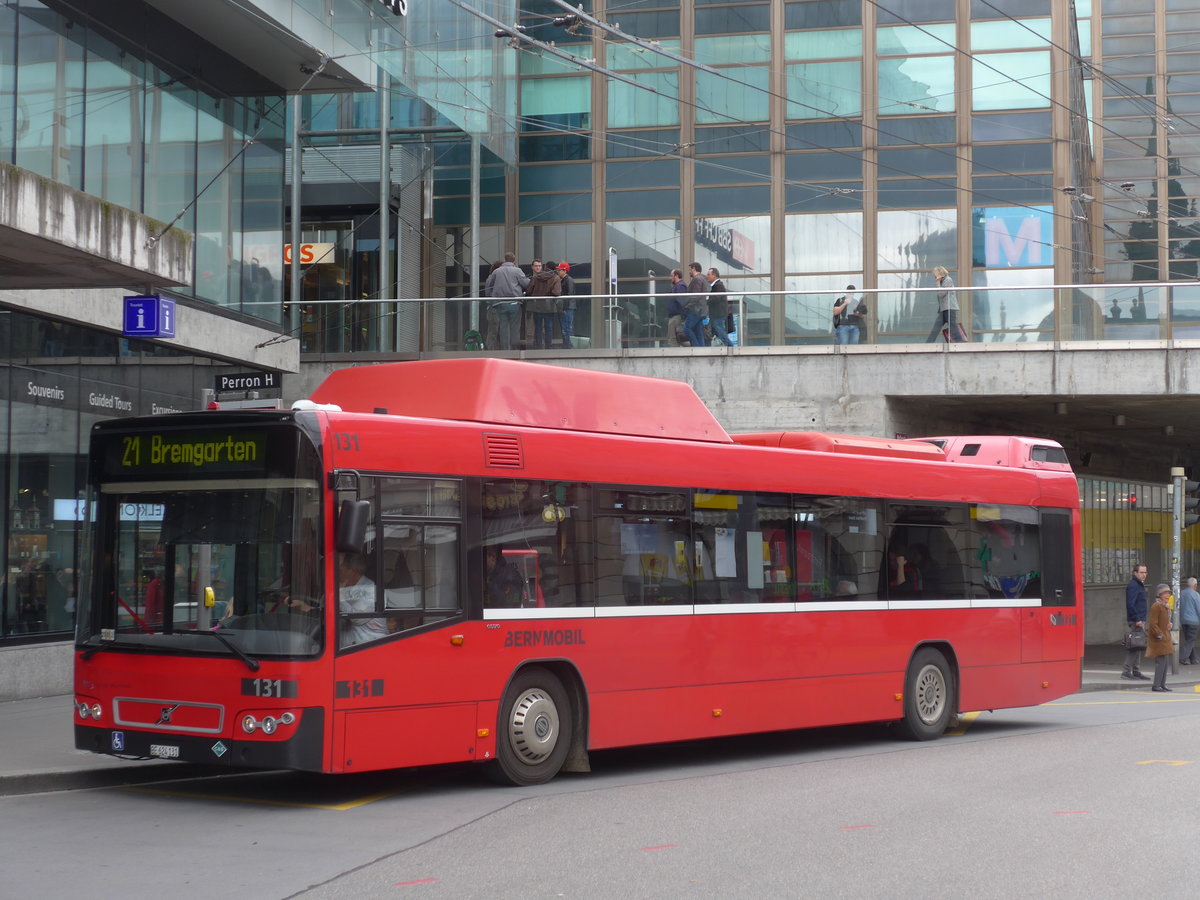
(164, 717)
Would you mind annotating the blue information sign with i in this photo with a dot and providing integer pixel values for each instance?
(149, 316)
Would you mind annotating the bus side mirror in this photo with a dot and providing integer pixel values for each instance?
(352, 526)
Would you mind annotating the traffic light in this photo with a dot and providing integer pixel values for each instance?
(1191, 502)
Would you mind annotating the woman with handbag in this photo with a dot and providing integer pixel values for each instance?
(1159, 645)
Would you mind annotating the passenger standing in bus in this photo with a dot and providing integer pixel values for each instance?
(1189, 622)
(904, 580)
(505, 586)
(1159, 645)
(1135, 617)
(506, 286)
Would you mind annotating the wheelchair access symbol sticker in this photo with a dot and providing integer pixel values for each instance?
(118, 741)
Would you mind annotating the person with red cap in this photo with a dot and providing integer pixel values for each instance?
(566, 304)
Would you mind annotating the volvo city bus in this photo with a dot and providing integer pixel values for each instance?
(515, 564)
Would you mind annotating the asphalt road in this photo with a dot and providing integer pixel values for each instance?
(1071, 800)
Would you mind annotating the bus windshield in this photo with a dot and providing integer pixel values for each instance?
(182, 558)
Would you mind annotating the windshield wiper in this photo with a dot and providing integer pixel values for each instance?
(242, 654)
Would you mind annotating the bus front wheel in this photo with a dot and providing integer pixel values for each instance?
(929, 700)
(535, 729)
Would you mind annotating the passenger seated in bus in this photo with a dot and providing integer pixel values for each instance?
(904, 580)
(505, 587)
(356, 594)
(929, 570)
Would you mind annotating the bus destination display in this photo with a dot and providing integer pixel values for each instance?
(186, 452)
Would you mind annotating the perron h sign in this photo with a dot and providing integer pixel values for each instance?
(149, 316)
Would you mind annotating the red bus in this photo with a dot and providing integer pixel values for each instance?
(513, 563)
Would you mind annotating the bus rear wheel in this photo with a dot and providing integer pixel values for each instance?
(929, 700)
(534, 731)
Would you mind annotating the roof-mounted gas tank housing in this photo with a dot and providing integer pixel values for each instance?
(1003, 450)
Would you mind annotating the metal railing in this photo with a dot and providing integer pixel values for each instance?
(627, 321)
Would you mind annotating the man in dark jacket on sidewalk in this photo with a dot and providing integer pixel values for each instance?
(695, 307)
(1135, 617)
(718, 307)
(544, 287)
(506, 285)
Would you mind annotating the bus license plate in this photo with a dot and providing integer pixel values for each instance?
(164, 751)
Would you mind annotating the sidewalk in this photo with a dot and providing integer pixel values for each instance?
(37, 745)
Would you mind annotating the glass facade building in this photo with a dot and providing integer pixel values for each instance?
(98, 104)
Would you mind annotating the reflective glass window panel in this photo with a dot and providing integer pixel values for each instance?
(805, 167)
(1011, 315)
(733, 139)
(824, 242)
(1012, 237)
(829, 44)
(734, 94)
(909, 40)
(733, 19)
(1017, 9)
(730, 200)
(657, 23)
(556, 178)
(828, 89)
(812, 135)
(555, 96)
(555, 147)
(808, 317)
(917, 11)
(1011, 80)
(629, 57)
(653, 142)
(917, 239)
(821, 14)
(733, 48)
(733, 170)
(922, 84)
(916, 162)
(828, 197)
(1002, 189)
(627, 204)
(555, 207)
(631, 107)
(1010, 34)
(645, 173)
(904, 193)
(916, 130)
(737, 245)
(1009, 127)
(1126, 24)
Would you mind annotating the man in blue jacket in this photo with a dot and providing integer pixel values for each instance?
(1135, 617)
(1189, 622)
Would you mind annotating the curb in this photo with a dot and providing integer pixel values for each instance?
(118, 776)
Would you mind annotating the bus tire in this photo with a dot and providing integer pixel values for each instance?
(929, 697)
(535, 728)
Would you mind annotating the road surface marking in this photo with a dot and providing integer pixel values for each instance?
(964, 722)
(199, 795)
